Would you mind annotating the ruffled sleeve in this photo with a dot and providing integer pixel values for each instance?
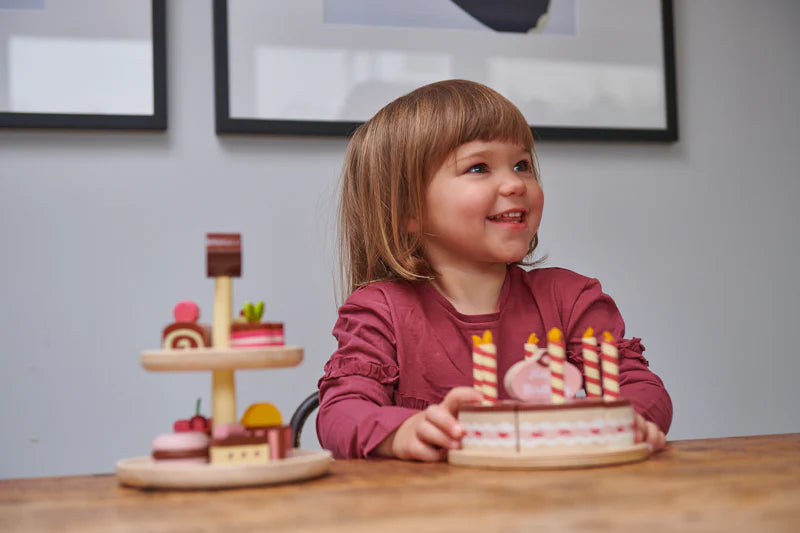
(593, 308)
(355, 365)
(356, 409)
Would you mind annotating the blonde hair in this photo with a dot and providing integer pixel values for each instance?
(386, 166)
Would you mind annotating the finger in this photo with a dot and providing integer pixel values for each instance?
(452, 403)
(460, 396)
(442, 419)
(423, 452)
(639, 428)
(653, 436)
(661, 441)
(433, 435)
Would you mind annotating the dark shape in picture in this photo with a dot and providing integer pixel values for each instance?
(517, 16)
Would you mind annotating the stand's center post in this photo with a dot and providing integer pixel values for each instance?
(223, 262)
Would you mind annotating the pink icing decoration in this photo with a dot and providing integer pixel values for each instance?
(223, 431)
(186, 311)
(529, 381)
(257, 337)
(180, 441)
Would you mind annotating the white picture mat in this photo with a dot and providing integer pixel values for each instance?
(286, 64)
(59, 60)
(92, 76)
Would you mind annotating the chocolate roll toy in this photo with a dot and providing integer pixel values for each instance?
(185, 332)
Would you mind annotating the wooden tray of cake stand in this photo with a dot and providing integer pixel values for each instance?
(143, 472)
(637, 452)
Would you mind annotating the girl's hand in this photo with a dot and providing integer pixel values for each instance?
(648, 432)
(427, 435)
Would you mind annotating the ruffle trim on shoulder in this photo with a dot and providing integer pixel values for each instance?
(355, 366)
(634, 344)
(627, 349)
(632, 349)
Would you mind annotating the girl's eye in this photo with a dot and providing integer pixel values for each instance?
(479, 168)
(523, 166)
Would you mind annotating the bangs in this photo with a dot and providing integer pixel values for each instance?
(464, 112)
(494, 119)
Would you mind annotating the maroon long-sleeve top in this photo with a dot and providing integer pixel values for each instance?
(403, 346)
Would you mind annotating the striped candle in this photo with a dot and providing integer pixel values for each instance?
(591, 365)
(531, 347)
(555, 349)
(610, 364)
(484, 367)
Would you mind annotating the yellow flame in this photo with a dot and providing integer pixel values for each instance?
(589, 333)
(486, 339)
(608, 337)
(533, 339)
(554, 335)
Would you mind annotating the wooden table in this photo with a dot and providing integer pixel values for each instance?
(733, 484)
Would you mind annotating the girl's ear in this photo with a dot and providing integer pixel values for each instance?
(412, 225)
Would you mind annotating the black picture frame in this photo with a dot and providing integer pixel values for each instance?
(155, 121)
(226, 124)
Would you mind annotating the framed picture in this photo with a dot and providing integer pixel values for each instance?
(90, 64)
(577, 69)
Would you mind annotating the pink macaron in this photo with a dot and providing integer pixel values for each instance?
(183, 447)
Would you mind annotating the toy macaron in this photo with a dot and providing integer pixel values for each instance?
(183, 447)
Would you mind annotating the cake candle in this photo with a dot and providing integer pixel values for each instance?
(555, 349)
(591, 365)
(610, 365)
(532, 346)
(484, 367)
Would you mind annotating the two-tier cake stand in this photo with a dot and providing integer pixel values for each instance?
(223, 262)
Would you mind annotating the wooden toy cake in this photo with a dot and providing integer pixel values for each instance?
(545, 426)
(223, 451)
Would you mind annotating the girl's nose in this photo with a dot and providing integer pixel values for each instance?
(512, 184)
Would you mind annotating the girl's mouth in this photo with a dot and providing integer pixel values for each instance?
(512, 216)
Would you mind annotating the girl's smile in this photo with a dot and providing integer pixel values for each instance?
(511, 217)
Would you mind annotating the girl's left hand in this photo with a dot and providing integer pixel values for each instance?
(645, 431)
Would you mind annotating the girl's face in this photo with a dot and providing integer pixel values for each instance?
(482, 206)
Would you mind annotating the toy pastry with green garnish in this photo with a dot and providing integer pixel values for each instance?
(248, 331)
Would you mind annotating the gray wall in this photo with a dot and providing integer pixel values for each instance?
(103, 232)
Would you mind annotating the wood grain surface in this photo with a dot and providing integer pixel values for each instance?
(732, 484)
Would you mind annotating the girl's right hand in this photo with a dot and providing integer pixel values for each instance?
(427, 435)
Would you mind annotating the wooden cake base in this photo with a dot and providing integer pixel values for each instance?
(637, 452)
(144, 473)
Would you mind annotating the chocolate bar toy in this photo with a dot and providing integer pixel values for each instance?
(223, 255)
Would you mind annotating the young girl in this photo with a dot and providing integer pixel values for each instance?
(441, 202)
